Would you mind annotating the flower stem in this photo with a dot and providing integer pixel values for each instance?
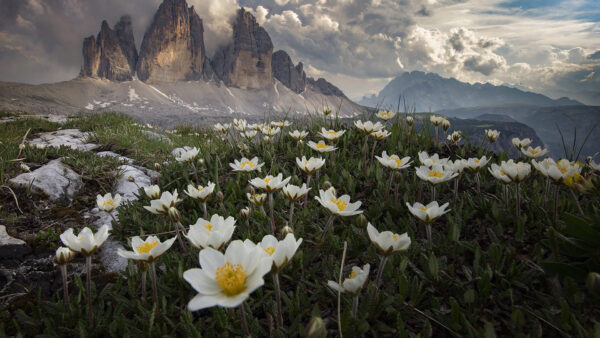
(354, 306)
(327, 226)
(518, 197)
(546, 190)
(506, 195)
(244, 323)
(196, 173)
(433, 192)
(63, 272)
(306, 197)
(291, 213)
(456, 189)
(577, 202)
(389, 185)
(339, 294)
(205, 211)
(365, 155)
(478, 181)
(176, 224)
(154, 288)
(428, 230)
(273, 229)
(262, 210)
(278, 299)
(373, 152)
(88, 264)
(378, 278)
(144, 272)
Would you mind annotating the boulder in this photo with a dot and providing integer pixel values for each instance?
(11, 247)
(72, 138)
(54, 180)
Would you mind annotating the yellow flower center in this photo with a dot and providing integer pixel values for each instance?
(256, 196)
(146, 247)
(476, 161)
(424, 208)
(563, 170)
(433, 173)
(321, 145)
(395, 237)
(209, 227)
(533, 151)
(341, 205)
(305, 163)
(267, 180)
(331, 132)
(231, 279)
(397, 160)
(352, 275)
(108, 202)
(200, 189)
(270, 250)
(248, 163)
(502, 173)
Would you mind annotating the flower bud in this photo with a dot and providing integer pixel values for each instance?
(316, 328)
(174, 214)
(22, 146)
(24, 167)
(326, 111)
(287, 230)
(327, 185)
(245, 213)
(131, 179)
(593, 283)
(201, 162)
(220, 196)
(157, 166)
(410, 120)
(362, 221)
(63, 255)
(445, 125)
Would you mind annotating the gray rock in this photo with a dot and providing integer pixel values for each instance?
(72, 138)
(156, 136)
(111, 154)
(11, 247)
(55, 180)
(284, 70)
(128, 190)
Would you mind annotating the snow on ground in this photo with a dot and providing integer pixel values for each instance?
(229, 91)
(276, 91)
(89, 106)
(133, 96)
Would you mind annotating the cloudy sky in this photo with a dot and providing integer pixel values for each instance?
(547, 46)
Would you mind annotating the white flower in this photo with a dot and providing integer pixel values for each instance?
(270, 183)
(368, 127)
(249, 134)
(281, 124)
(227, 279)
(107, 202)
(518, 143)
(86, 242)
(246, 165)
(354, 282)
(455, 137)
(298, 135)
(63, 255)
(331, 135)
(432, 160)
(428, 213)
(436, 174)
(294, 192)
(592, 164)
(152, 191)
(148, 250)
(257, 199)
(410, 120)
(321, 147)
(164, 203)
(388, 242)
(24, 167)
(187, 154)
(445, 124)
(270, 131)
(556, 171)
(311, 165)
(492, 135)
(393, 162)
(517, 172)
(436, 120)
(255, 126)
(386, 115)
(380, 134)
(457, 166)
(498, 174)
(201, 193)
(475, 164)
(281, 251)
(338, 206)
(536, 152)
(240, 125)
(222, 128)
(211, 234)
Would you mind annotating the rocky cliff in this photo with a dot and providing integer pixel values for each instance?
(284, 70)
(173, 46)
(324, 87)
(112, 54)
(246, 61)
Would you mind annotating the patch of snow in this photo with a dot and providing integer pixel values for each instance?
(89, 106)
(229, 91)
(97, 102)
(133, 96)
(276, 91)
(231, 111)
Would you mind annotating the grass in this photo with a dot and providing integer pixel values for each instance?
(488, 273)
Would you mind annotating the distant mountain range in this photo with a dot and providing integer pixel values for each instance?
(431, 92)
(172, 78)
